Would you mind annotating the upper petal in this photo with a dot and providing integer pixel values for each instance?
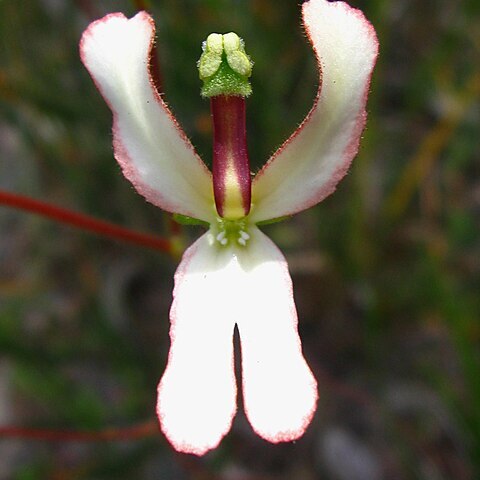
(308, 166)
(153, 151)
(279, 390)
(197, 393)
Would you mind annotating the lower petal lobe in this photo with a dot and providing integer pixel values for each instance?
(197, 393)
(279, 390)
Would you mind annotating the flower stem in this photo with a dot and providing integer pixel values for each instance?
(88, 8)
(155, 70)
(84, 222)
(142, 430)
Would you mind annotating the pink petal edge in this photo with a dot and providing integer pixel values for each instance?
(352, 148)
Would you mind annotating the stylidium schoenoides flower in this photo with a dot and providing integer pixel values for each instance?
(233, 274)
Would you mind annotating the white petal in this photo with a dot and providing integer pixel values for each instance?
(280, 392)
(197, 394)
(153, 151)
(308, 166)
(216, 287)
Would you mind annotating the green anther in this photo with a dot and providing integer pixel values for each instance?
(224, 66)
(239, 63)
(212, 55)
(231, 42)
(214, 43)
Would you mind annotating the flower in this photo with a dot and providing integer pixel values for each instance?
(233, 274)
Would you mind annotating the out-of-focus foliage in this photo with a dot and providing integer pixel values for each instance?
(386, 270)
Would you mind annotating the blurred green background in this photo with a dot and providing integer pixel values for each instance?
(386, 270)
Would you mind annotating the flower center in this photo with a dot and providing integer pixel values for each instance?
(232, 232)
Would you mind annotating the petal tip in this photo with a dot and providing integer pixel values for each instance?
(288, 423)
(109, 36)
(189, 430)
(313, 7)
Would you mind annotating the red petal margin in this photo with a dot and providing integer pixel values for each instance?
(120, 151)
(352, 148)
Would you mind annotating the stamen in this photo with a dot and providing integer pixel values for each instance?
(232, 231)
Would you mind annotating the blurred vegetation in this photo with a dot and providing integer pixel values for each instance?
(386, 270)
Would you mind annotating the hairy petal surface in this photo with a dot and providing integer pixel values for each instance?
(197, 393)
(308, 166)
(153, 151)
(279, 390)
(216, 287)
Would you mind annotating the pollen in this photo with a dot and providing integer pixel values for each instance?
(232, 232)
(222, 238)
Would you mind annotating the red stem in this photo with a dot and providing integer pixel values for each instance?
(84, 222)
(141, 5)
(157, 77)
(155, 70)
(88, 8)
(142, 430)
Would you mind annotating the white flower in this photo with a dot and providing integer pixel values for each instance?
(234, 275)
